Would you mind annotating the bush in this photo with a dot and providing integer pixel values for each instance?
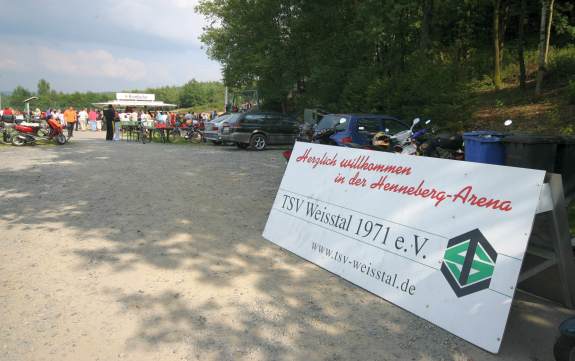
(562, 64)
(571, 92)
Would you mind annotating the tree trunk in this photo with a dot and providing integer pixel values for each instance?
(496, 44)
(426, 24)
(548, 32)
(542, 46)
(521, 50)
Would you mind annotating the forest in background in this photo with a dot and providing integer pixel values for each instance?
(463, 63)
(199, 96)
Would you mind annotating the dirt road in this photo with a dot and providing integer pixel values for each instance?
(116, 251)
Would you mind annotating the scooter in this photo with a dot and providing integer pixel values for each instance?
(410, 145)
(30, 133)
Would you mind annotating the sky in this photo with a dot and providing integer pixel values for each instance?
(102, 45)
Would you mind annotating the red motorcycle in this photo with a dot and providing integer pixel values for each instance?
(30, 134)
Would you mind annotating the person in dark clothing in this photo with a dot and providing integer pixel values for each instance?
(110, 115)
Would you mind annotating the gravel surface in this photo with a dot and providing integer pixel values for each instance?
(120, 251)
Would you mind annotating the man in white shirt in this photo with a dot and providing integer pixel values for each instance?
(83, 119)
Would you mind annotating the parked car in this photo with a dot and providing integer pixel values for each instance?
(358, 128)
(259, 129)
(212, 129)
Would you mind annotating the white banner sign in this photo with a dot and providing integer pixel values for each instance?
(135, 96)
(442, 239)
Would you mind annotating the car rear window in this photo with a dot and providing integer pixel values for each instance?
(221, 118)
(234, 118)
(254, 119)
(330, 121)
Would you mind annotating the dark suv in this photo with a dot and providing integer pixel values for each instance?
(259, 129)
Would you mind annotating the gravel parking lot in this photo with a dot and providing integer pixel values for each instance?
(154, 252)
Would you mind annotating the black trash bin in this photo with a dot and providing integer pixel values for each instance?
(531, 151)
(565, 165)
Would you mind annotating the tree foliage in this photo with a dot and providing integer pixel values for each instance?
(193, 93)
(403, 57)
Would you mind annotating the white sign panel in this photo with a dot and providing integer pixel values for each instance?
(442, 239)
(135, 96)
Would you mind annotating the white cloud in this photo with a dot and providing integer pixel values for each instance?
(170, 19)
(8, 64)
(118, 44)
(92, 63)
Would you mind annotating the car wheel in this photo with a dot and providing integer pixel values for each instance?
(242, 145)
(258, 142)
(216, 142)
(564, 349)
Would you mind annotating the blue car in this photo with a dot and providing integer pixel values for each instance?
(358, 128)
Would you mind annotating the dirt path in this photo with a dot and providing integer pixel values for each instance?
(154, 252)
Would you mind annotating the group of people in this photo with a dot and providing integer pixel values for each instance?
(149, 118)
(110, 120)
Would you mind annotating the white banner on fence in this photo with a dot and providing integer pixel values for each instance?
(442, 239)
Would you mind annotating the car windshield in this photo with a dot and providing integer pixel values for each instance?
(330, 121)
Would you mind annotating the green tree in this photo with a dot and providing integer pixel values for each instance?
(44, 94)
(19, 94)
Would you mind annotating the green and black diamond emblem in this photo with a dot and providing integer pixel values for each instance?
(468, 263)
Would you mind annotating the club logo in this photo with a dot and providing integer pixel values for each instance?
(468, 263)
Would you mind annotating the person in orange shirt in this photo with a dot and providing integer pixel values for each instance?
(71, 119)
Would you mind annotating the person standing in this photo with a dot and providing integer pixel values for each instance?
(71, 120)
(117, 126)
(109, 116)
(92, 117)
(83, 119)
(98, 120)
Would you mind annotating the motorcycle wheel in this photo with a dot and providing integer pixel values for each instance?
(196, 137)
(18, 141)
(564, 349)
(60, 139)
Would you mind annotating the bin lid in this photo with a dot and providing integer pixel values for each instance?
(485, 136)
(568, 139)
(533, 139)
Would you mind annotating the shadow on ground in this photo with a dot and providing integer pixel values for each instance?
(200, 212)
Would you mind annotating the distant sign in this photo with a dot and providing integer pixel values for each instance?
(135, 96)
(440, 238)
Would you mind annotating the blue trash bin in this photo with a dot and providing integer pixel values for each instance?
(484, 147)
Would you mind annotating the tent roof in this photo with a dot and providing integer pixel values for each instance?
(137, 103)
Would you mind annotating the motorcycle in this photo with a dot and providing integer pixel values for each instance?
(30, 133)
(446, 146)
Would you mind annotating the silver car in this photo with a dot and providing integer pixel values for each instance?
(212, 129)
